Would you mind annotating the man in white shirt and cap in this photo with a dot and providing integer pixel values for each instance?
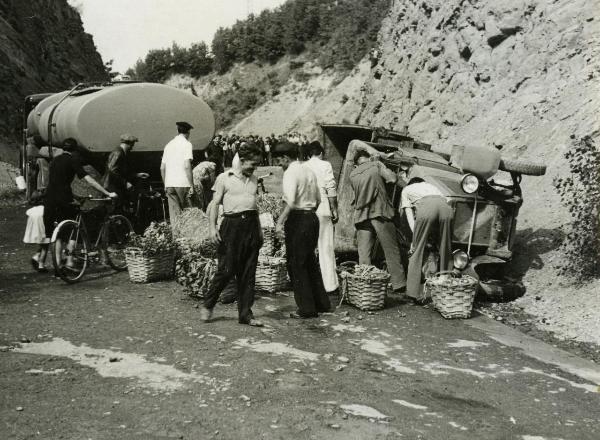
(327, 213)
(176, 170)
(299, 225)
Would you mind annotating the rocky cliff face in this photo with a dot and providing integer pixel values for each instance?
(520, 75)
(43, 48)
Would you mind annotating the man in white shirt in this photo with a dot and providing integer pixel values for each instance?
(299, 225)
(426, 209)
(176, 170)
(327, 214)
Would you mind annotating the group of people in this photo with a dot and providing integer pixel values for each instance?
(306, 223)
(229, 145)
(310, 210)
(426, 210)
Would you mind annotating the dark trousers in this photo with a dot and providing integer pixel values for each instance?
(385, 231)
(301, 236)
(238, 256)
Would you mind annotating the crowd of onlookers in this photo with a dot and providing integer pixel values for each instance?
(223, 148)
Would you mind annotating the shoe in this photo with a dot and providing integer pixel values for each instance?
(227, 299)
(329, 310)
(255, 323)
(34, 264)
(205, 314)
(42, 269)
(421, 301)
(296, 315)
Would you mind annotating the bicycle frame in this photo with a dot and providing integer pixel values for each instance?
(81, 225)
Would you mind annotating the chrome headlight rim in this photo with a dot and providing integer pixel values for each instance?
(460, 259)
(469, 183)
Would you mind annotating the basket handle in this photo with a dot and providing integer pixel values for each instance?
(347, 265)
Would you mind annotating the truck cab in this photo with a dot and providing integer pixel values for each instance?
(485, 208)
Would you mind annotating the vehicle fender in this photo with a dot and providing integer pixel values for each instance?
(481, 259)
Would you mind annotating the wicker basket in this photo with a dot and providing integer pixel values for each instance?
(365, 293)
(204, 269)
(452, 297)
(143, 268)
(271, 274)
(269, 245)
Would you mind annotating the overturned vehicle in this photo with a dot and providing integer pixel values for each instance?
(482, 189)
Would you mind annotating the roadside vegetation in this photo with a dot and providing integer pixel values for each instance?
(337, 32)
(580, 193)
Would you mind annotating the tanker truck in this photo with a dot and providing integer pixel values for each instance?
(97, 114)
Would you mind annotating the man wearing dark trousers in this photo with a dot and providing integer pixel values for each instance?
(116, 176)
(240, 236)
(300, 225)
(373, 213)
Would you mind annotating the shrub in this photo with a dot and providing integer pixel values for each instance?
(580, 193)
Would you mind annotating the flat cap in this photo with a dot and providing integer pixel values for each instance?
(285, 148)
(128, 138)
(184, 125)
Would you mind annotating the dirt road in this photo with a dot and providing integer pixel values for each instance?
(107, 359)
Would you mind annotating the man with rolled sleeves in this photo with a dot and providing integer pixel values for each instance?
(299, 224)
(240, 236)
(176, 170)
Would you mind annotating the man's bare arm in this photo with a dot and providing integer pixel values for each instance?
(279, 228)
(163, 168)
(188, 173)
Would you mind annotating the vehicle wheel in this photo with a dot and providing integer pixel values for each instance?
(522, 167)
(69, 249)
(116, 235)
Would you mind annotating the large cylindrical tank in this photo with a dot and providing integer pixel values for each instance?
(96, 117)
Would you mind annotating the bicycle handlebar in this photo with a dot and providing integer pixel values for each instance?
(92, 198)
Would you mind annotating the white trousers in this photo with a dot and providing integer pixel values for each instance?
(327, 254)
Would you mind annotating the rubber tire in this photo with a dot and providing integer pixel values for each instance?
(521, 167)
(81, 243)
(113, 262)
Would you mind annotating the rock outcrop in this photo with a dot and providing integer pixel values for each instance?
(43, 48)
(520, 75)
(523, 76)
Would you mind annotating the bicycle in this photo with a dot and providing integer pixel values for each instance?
(71, 261)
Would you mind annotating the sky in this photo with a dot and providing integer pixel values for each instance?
(125, 30)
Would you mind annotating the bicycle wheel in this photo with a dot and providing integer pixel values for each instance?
(69, 248)
(117, 230)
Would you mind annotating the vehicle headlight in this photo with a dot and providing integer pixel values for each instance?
(460, 259)
(470, 183)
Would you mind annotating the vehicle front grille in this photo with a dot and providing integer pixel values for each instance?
(485, 220)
